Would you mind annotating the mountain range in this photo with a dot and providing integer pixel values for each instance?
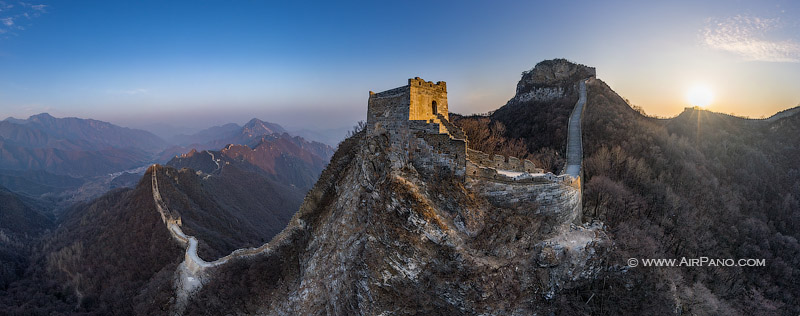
(74, 189)
(72, 146)
(301, 229)
(217, 137)
(68, 160)
(110, 251)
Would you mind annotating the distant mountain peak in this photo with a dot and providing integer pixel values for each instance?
(190, 154)
(41, 115)
(230, 125)
(256, 127)
(254, 121)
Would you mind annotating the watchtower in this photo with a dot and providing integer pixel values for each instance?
(413, 106)
(427, 99)
(417, 121)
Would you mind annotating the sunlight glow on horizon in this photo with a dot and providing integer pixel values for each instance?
(700, 95)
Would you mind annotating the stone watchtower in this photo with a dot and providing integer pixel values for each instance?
(394, 110)
(417, 115)
(427, 99)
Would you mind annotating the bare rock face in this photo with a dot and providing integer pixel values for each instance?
(555, 71)
(572, 255)
(376, 237)
(547, 80)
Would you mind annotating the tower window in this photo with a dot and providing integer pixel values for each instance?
(433, 108)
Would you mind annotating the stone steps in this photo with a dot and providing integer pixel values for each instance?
(453, 130)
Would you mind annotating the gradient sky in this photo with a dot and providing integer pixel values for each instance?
(199, 63)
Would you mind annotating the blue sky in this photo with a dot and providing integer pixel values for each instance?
(200, 63)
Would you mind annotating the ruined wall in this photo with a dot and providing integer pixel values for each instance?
(422, 96)
(415, 117)
(500, 162)
(425, 127)
(454, 131)
(388, 111)
(491, 174)
(558, 202)
(434, 152)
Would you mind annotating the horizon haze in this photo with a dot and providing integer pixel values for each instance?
(311, 65)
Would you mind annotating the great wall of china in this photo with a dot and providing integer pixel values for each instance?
(193, 271)
(416, 116)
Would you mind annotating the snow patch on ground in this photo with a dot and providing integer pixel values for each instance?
(520, 175)
(511, 174)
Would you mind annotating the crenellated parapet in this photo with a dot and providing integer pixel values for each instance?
(501, 162)
(417, 82)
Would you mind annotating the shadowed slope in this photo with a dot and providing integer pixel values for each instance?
(700, 184)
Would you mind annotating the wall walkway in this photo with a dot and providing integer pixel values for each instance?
(574, 138)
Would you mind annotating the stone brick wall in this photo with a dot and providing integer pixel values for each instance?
(500, 162)
(410, 106)
(559, 204)
(491, 174)
(423, 94)
(433, 145)
(454, 131)
(431, 127)
(387, 112)
(415, 116)
(434, 152)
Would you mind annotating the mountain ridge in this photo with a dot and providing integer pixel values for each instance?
(73, 146)
(92, 131)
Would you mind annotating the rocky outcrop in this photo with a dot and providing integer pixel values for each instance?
(555, 71)
(574, 254)
(547, 80)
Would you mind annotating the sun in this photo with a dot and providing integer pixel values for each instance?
(700, 96)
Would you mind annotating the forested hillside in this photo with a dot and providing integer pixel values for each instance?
(701, 184)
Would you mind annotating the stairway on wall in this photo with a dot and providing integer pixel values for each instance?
(451, 129)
